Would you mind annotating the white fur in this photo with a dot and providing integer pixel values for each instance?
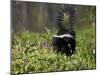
(64, 35)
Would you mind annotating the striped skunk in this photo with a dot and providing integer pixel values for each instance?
(64, 40)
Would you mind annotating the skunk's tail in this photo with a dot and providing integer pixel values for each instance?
(66, 18)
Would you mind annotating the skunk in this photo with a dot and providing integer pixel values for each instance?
(64, 40)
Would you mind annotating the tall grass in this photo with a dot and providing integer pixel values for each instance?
(32, 52)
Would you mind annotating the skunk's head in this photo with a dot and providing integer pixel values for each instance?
(64, 43)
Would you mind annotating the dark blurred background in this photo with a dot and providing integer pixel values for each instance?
(36, 16)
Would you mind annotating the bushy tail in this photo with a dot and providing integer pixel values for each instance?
(66, 18)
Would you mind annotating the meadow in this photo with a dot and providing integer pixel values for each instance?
(32, 52)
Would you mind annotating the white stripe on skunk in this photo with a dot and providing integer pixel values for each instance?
(64, 35)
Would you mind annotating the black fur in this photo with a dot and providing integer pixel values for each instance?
(65, 45)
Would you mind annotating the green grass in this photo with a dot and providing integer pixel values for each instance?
(32, 52)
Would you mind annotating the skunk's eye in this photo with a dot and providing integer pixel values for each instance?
(69, 45)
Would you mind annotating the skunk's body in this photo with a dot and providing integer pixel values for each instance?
(64, 41)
